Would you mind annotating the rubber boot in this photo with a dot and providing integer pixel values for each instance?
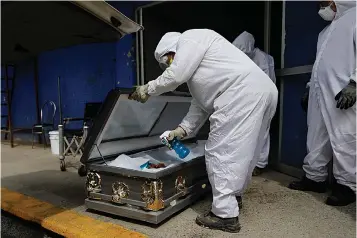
(257, 171)
(341, 196)
(306, 184)
(211, 221)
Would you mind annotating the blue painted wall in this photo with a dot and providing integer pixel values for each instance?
(302, 26)
(87, 73)
(294, 121)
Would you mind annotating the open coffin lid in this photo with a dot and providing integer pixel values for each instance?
(29, 28)
(131, 130)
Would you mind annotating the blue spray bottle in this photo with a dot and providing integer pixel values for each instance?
(181, 150)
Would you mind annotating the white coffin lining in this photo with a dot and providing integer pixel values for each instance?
(168, 157)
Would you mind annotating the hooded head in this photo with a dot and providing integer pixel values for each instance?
(332, 10)
(245, 42)
(343, 6)
(167, 44)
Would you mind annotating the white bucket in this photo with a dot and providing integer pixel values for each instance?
(54, 142)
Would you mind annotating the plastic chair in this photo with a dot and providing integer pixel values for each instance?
(48, 112)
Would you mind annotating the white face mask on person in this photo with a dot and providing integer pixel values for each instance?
(327, 13)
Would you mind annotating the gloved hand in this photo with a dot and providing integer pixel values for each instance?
(347, 97)
(178, 132)
(140, 94)
(305, 100)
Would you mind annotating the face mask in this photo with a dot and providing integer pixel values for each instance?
(327, 13)
(165, 62)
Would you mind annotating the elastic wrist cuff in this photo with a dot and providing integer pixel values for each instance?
(183, 130)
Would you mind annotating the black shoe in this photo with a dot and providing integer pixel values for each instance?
(257, 171)
(341, 196)
(240, 202)
(212, 221)
(308, 185)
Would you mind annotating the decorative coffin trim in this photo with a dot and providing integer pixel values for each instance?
(93, 182)
(120, 191)
(153, 195)
(180, 185)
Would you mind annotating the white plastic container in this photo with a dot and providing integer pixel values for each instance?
(54, 142)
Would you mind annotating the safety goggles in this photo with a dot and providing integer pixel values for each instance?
(164, 62)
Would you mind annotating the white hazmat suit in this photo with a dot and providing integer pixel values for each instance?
(246, 43)
(332, 131)
(239, 97)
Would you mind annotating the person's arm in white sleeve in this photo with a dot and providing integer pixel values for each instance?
(265, 68)
(272, 76)
(263, 63)
(187, 59)
(272, 69)
(194, 118)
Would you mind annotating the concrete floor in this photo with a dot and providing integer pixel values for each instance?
(270, 209)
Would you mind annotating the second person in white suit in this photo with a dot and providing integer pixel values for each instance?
(246, 43)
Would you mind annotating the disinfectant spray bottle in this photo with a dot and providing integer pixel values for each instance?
(181, 150)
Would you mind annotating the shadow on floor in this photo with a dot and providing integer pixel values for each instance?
(284, 181)
(65, 189)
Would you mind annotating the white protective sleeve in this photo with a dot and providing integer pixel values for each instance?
(265, 68)
(194, 118)
(271, 69)
(188, 57)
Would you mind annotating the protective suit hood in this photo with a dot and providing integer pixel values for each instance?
(342, 7)
(167, 44)
(245, 42)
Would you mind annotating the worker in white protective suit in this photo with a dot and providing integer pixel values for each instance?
(331, 115)
(239, 99)
(246, 43)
